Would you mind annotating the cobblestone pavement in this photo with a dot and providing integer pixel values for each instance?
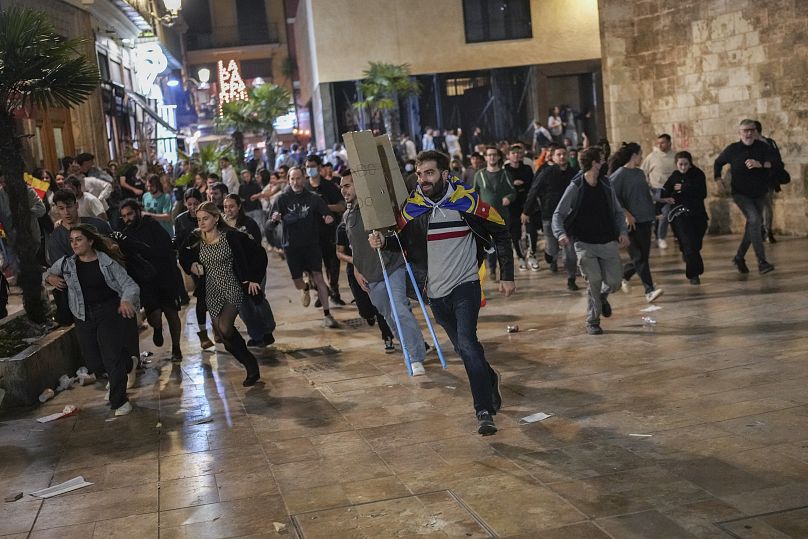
(695, 427)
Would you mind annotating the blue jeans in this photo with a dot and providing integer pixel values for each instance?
(752, 209)
(257, 317)
(412, 337)
(457, 313)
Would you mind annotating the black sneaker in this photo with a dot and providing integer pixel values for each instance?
(571, 286)
(606, 308)
(695, 281)
(157, 338)
(485, 424)
(548, 258)
(496, 397)
(388, 346)
(252, 343)
(337, 301)
(772, 239)
(318, 303)
(740, 263)
(764, 267)
(554, 267)
(594, 329)
(269, 339)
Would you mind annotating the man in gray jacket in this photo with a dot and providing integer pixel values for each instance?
(368, 273)
(590, 213)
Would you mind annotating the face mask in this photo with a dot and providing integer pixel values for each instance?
(311, 172)
(408, 167)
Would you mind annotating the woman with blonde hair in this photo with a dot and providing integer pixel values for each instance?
(233, 266)
(103, 300)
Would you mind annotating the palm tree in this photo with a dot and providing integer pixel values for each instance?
(383, 86)
(256, 114)
(37, 68)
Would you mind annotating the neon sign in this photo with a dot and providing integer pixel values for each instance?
(231, 87)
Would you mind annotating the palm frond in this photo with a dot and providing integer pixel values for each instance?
(38, 67)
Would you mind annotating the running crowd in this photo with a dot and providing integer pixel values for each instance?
(128, 239)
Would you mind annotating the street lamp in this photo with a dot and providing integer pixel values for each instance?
(204, 75)
(173, 8)
(173, 5)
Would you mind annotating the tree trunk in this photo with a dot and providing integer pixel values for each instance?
(24, 244)
(238, 148)
(387, 116)
(269, 149)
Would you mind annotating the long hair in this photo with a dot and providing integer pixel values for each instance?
(237, 199)
(213, 209)
(101, 243)
(623, 155)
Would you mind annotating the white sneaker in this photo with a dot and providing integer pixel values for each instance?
(625, 287)
(522, 264)
(533, 263)
(106, 395)
(653, 295)
(329, 322)
(124, 409)
(417, 369)
(662, 244)
(305, 297)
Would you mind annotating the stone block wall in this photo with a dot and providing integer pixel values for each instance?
(695, 68)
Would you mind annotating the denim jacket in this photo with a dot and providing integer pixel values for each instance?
(114, 274)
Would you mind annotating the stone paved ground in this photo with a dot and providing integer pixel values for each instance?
(346, 445)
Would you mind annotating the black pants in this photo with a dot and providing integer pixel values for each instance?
(365, 306)
(689, 230)
(103, 342)
(639, 250)
(331, 263)
(515, 226)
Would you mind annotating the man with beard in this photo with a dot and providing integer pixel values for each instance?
(159, 296)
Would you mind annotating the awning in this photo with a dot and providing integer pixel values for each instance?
(151, 112)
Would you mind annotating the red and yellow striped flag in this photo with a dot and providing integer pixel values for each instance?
(40, 186)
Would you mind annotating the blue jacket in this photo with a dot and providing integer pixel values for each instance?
(114, 274)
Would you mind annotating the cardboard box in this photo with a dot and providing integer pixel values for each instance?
(380, 188)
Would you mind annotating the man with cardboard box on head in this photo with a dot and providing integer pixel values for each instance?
(446, 229)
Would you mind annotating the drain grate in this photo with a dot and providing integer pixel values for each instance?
(354, 323)
(303, 353)
(315, 367)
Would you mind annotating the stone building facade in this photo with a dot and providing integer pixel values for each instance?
(695, 68)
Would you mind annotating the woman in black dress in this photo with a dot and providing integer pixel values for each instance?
(688, 188)
(233, 266)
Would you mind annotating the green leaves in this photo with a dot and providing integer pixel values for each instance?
(38, 67)
(384, 84)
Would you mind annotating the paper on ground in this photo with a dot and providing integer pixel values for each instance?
(67, 486)
(641, 435)
(651, 308)
(533, 418)
(68, 410)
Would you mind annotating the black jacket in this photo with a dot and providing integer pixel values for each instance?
(487, 235)
(547, 188)
(693, 192)
(745, 181)
(249, 258)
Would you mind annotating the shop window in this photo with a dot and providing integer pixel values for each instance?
(39, 154)
(496, 20)
(59, 142)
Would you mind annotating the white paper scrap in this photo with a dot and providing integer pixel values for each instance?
(533, 418)
(68, 410)
(67, 486)
(651, 308)
(641, 435)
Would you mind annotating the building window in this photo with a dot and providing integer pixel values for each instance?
(458, 86)
(103, 66)
(496, 20)
(256, 68)
(252, 20)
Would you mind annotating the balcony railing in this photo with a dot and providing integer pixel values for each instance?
(233, 36)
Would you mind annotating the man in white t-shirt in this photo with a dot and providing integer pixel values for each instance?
(88, 204)
(658, 167)
(229, 176)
